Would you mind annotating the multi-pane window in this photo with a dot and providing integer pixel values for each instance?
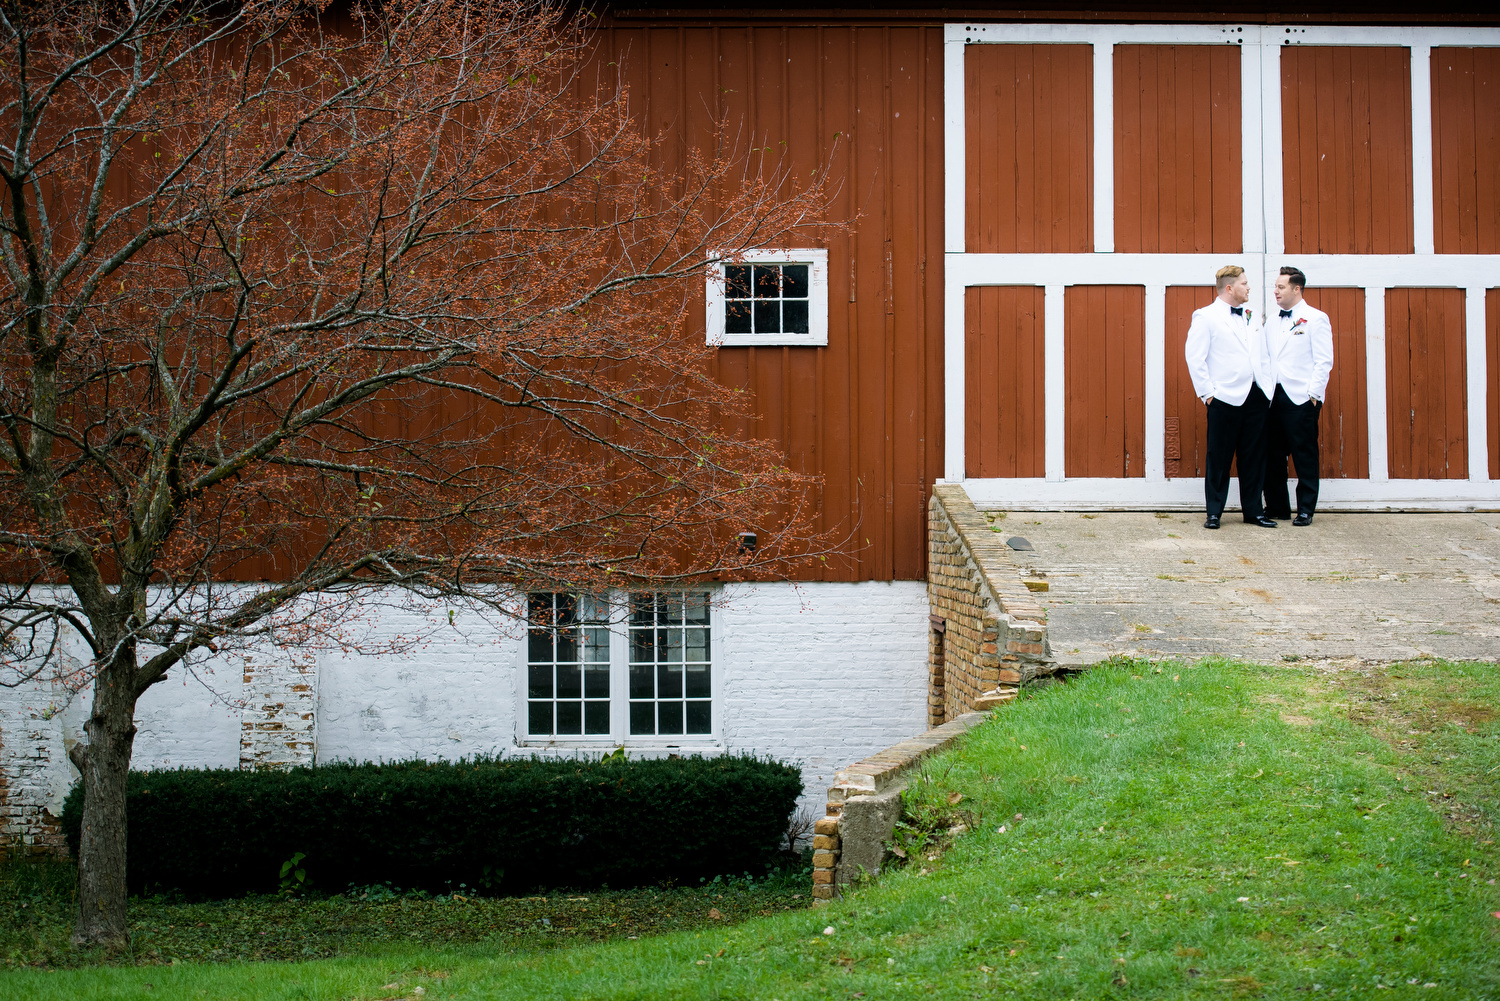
(766, 298)
(669, 663)
(567, 661)
(636, 664)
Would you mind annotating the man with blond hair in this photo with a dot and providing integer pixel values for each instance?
(1226, 357)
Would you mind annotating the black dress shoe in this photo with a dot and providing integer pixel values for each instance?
(1302, 520)
(1212, 521)
(1262, 521)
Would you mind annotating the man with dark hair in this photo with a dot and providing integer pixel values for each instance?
(1300, 344)
(1226, 357)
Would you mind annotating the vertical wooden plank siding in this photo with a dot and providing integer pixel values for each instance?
(1104, 350)
(1029, 155)
(1343, 427)
(1425, 412)
(1492, 382)
(1466, 150)
(1346, 149)
(1177, 149)
(1004, 426)
(1183, 406)
(866, 412)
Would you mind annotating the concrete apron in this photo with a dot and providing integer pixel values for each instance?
(1378, 587)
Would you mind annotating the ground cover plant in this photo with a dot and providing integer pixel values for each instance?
(1169, 830)
(37, 906)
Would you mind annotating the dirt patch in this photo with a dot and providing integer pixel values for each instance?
(1261, 593)
(1468, 714)
(1418, 716)
(1295, 720)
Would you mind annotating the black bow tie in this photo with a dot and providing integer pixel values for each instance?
(1237, 310)
(1285, 313)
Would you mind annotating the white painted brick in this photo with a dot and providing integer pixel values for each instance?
(817, 674)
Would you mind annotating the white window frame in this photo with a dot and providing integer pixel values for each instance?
(816, 259)
(619, 690)
(1263, 255)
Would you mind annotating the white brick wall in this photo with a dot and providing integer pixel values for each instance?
(818, 674)
(823, 675)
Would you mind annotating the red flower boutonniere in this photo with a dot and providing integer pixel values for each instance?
(1295, 331)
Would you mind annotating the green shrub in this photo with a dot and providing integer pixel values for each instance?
(501, 826)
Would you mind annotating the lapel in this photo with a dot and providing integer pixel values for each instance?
(1279, 329)
(1236, 324)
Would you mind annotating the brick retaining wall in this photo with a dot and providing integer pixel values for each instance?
(989, 634)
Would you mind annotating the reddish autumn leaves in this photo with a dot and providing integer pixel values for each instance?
(397, 298)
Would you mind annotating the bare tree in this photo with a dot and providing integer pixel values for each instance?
(300, 309)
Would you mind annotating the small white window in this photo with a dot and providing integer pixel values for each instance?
(769, 297)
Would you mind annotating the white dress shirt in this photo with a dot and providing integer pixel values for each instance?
(1301, 350)
(1226, 354)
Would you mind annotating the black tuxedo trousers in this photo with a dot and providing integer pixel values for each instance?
(1236, 432)
(1291, 430)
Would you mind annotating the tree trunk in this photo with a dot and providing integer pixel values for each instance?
(101, 850)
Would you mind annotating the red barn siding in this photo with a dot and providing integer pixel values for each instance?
(1004, 418)
(1466, 150)
(1346, 154)
(1029, 157)
(1104, 367)
(1424, 377)
(866, 411)
(1177, 149)
(1343, 428)
(1182, 404)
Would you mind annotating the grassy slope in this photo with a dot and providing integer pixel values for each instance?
(1151, 802)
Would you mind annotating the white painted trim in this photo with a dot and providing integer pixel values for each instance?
(1216, 34)
(1263, 254)
(1054, 348)
(1272, 183)
(1104, 147)
(1375, 413)
(1156, 383)
(1476, 398)
(955, 383)
(1055, 395)
(955, 153)
(1186, 494)
(1323, 270)
(816, 258)
(1421, 148)
(1252, 159)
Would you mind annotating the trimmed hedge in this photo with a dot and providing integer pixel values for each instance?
(501, 826)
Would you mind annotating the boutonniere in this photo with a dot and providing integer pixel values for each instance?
(1248, 314)
(1295, 331)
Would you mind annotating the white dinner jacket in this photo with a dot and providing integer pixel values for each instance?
(1226, 354)
(1301, 350)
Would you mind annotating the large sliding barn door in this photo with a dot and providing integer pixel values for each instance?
(1097, 177)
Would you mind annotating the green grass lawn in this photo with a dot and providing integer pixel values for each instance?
(1217, 830)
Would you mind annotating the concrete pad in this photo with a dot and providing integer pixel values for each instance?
(1374, 586)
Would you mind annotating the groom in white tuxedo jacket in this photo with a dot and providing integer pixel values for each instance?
(1299, 340)
(1226, 357)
